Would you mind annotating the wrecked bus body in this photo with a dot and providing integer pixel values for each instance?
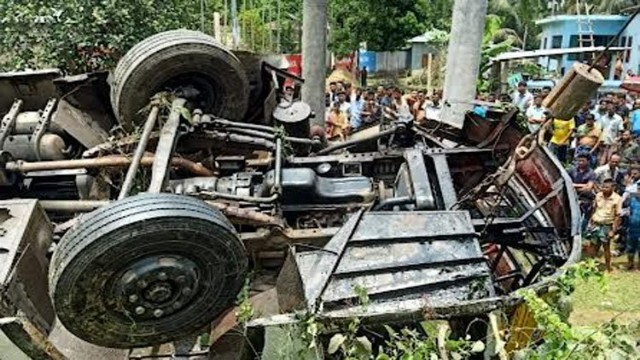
(135, 204)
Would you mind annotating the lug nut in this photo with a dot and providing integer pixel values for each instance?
(162, 276)
(181, 279)
(133, 298)
(177, 305)
(139, 310)
(142, 284)
(186, 291)
(157, 313)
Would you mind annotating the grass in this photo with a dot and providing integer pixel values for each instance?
(591, 306)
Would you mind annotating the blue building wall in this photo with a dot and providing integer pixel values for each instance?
(557, 32)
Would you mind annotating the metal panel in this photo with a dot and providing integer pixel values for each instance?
(420, 180)
(448, 192)
(413, 225)
(378, 257)
(406, 281)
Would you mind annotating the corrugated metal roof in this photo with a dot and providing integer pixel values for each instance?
(516, 55)
(558, 18)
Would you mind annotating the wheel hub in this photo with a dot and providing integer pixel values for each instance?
(155, 286)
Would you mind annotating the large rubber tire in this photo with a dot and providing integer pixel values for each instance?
(91, 274)
(183, 56)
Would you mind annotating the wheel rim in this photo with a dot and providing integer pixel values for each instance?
(155, 287)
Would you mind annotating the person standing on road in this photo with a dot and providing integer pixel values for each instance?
(433, 108)
(581, 116)
(612, 126)
(364, 76)
(611, 171)
(584, 180)
(628, 149)
(535, 114)
(522, 98)
(589, 136)
(604, 222)
(562, 133)
(634, 119)
(631, 213)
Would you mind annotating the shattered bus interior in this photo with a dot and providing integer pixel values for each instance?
(134, 205)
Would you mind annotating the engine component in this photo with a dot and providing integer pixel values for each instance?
(241, 184)
(79, 125)
(184, 61)
(145, 270)
(60, 184)
(303, 185)
(294, 117)
(51, 147)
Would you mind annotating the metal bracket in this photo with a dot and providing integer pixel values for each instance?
(9, 121)
(43, 124)
(166, 145)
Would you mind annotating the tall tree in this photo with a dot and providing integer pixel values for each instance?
(521, 16)
(382, 24)
(613, 6)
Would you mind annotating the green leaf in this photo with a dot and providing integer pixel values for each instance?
(364, 345)
(334, 344)
(390, 331)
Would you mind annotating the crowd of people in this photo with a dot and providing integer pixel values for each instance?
(352, 109)
(599, 146)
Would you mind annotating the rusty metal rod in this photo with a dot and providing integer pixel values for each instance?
(102, 162)
(81, 206)
(224, 123)
(139, 153)
(353, 142)
(278, 168)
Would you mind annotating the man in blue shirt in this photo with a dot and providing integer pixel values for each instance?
(634, 119)
(581, 116)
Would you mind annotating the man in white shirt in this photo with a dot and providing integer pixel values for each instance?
(612, 126)
(522, 98)
(536, 114)
(433, 108)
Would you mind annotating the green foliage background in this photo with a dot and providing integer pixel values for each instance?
(83, 35)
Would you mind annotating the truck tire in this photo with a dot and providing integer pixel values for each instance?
(174, 59)
(146, 270)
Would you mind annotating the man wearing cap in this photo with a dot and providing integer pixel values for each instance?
(604, 222)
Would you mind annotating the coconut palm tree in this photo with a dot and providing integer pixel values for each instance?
(520, 15)
(613, 6)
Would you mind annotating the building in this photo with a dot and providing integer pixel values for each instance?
(414, 57)
(581, 31)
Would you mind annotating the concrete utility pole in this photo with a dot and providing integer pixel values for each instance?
(314, 52)
(235, 27)
(463, 59)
